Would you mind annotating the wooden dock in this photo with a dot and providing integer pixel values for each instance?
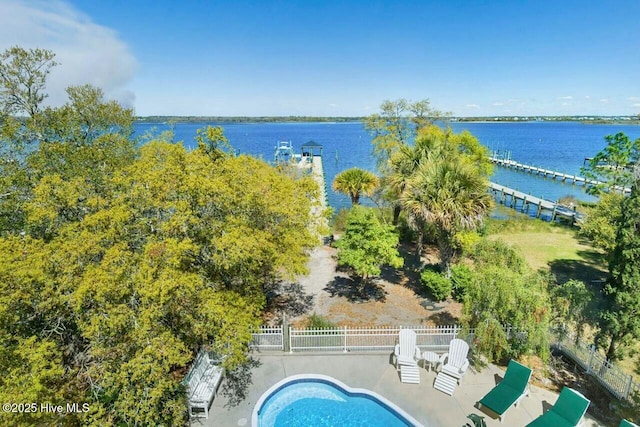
(524, 202)
(317, 172)
(559, 176)
(313, 164)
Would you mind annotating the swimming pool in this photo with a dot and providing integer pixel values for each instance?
(319, 400)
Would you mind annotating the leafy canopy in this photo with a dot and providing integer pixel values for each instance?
(23, 74)
(367, 244)
(620, 323)
(613, 166)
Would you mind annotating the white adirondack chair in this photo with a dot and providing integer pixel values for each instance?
(454, 365)
(406, 354)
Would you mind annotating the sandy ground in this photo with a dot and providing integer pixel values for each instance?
(391, 301)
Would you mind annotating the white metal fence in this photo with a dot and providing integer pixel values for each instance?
(268, 338)
(620, 384)
(347, 339)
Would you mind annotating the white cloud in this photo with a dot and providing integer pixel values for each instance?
(498, 104)
(636, 105)
(472, 106)
(85, 51)
(565, 97)
(587, 97)
(332, 105)
(604, 100)
(633, 98)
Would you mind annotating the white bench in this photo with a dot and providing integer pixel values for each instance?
(202, 382)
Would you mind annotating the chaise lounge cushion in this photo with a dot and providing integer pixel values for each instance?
(567, 411)
(511, 388)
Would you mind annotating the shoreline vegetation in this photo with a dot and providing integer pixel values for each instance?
(337, 119)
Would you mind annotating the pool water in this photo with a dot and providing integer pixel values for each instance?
(315, 402)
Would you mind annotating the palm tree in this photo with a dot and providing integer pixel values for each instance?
(355, 182)
(449, 193)
(431, 139)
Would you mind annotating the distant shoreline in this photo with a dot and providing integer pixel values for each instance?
(629, 120)
(244, 119)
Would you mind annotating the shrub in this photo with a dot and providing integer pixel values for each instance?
(406, 233)
(315, 321)
(498, 296)
(489, 252)
(464, 241)
(461, 279)
(339, 220)
(438, 285)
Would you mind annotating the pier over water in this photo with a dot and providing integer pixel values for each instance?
(518, 200)
(310, 161)
(506, 162)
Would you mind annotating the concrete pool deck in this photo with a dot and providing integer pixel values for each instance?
(375, 372)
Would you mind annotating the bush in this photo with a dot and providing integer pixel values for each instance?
(464, 241)
(339, 220)
(461, 279)
(315, 321)
(438, 285)
(406, 233)
(498, 296)
(489, 252)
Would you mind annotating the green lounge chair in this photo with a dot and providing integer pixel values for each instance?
(513, 387)
(568, 410)
(625, 423)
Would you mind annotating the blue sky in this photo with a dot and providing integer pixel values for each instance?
(340, 58)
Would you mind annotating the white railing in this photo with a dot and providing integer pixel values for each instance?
(618, 383)
(267, 338)
(347, 339)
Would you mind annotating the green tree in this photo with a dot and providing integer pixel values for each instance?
(367, 244)
(613, 166)
(394, 128)
(571, 303)
(620, 323)
(86, 142)
(23, 75)
(396, 125)
(601, 221)
(86, 117)
(213, 142)
(82, 143)
(355, 182)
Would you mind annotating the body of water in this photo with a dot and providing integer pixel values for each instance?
(560, 146)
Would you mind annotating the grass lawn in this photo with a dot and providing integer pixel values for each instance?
(554, 247)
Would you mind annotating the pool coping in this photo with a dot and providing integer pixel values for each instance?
(326, 378)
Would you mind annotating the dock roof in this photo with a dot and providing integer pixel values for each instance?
(311, 144)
